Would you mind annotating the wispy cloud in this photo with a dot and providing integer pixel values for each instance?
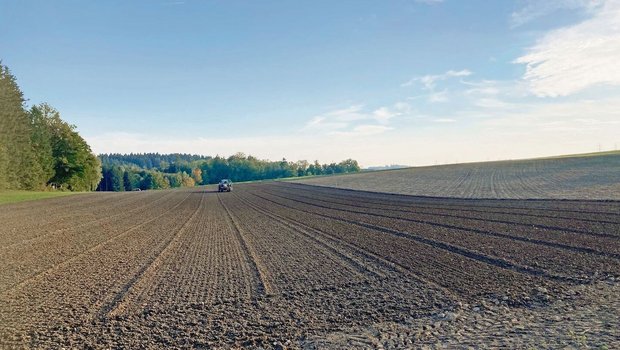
(493, 103)
(535, 9)
(429, 81)
(444, 120)
(364, 130)
(567, 114)
(574, 58)
(439, 96)
(484, 87)
(356, 120)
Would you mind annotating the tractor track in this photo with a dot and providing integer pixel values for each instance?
(89, 250)
(260, 272)
(115, 306)
(277, 262)
(436, 211)
(481, 206)
(106, 218)
(498, 262)
(464, 228)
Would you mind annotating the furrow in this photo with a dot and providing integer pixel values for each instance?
(260, 272)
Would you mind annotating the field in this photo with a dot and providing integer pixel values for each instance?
(590, 176)
(22, 196)
(285, 265)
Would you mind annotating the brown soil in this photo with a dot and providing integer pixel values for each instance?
(294, 266)
(576, 177)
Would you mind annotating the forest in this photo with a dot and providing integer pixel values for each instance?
(127, 172)
(38, 150)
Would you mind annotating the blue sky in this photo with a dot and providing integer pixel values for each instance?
(403, 81)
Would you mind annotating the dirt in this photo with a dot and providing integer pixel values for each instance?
(579, 177)
(283, 265)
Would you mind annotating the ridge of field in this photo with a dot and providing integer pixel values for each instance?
(587, 176)
(285, 265)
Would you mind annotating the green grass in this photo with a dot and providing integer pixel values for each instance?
(21, 196)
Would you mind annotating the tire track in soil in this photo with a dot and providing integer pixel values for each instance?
(50, 205)
(93, 222)
(608, 207)
(66, 296)
(602, 248)
(207, 268)
(28, 260)
(396, 200)
(87, 302)
(420, 258)
(493, 261)
(259, 270)
(416, 210)
(117, 304)
(84, 253)
(385, 268)
(468, 229)
(78, 208)
(294, 262)
(552, 263)
(359, 267)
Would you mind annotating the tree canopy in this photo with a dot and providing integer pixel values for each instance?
(38, 149)
(154, 170)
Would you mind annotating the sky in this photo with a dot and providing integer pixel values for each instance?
(412, 82)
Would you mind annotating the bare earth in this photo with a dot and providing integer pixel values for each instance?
(284, 265)
(580, 177)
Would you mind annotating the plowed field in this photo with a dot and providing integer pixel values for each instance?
(595, 176)
(283, 265)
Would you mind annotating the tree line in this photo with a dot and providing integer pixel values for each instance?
(38, 150)
(127, 172)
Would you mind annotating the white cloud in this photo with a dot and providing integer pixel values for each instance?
(364, 130)
(336, 120)
(536, 9)
(484, 87)
(440, 96)
(359, 143)
(444, 120)
(347, 121)
(542, 127)
(347, 114)
(574, 114)
(571, 59)
(429, 81)
(322, 123)
(384, 114)
(493, 103)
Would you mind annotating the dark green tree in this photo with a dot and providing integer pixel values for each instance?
(41, 140)
(75, 167)
(127, 181)
(18, 165)
(147, 182)
(117, 179)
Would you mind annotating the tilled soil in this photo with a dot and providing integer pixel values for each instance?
(281, 265)
(574, 177)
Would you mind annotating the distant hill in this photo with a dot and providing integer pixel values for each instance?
(585, 176)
